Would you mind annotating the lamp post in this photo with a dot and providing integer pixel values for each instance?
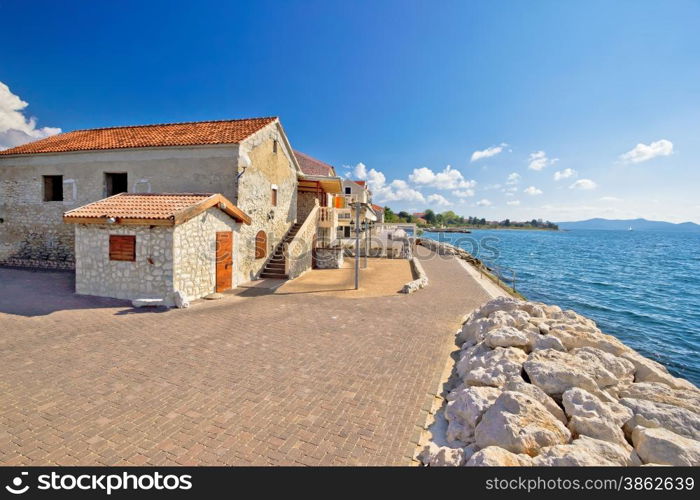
(357, 207)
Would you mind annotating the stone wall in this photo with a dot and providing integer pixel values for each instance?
(268, 168)
(535, 385)
(305, 203)
(329, 258)
(32, 230)
(299, 253)
(149, 276)
(194, 250)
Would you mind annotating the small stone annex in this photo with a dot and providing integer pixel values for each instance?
(156, 246)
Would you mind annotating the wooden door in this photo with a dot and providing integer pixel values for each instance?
(224, 260)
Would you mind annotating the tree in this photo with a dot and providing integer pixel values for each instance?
(389, 215)
(429, 216)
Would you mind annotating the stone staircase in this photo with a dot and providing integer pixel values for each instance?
(275, 266)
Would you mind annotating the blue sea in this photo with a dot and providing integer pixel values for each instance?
(641, 286)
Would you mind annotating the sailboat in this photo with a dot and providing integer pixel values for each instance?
(629, 228)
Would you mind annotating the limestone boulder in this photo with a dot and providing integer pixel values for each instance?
(493, 367)
(519, 385)
(587, 452)
(442, 456)
(621, 369)
(464, 410)
(647, 370)
(663, 393)
(597, 428)
(555, 372)
(661, 446)
(578, 335)
(518, 423)
(654, 414)
(506, 336)
(493, 456)
(503, 303)
(580, 403)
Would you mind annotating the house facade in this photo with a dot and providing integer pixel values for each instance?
(249, 162)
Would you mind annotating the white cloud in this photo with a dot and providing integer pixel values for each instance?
(643, 152)
(465, 193)
(538, 160)
(483, 203)
(438, 199)
(609, 198)
(449, 178)
(398, 190)
(488, 152)
(15, 128)
(585, 184)
(565, 174)
(532, 191)
(513, 178)
(513, 203)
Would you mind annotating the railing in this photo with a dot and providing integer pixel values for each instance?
(499, 272)
(298, 252)
(327, 217)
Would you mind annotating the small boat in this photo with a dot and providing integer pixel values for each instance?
(629, 228)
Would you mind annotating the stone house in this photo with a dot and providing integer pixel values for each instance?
(150, 246)
(248, 161)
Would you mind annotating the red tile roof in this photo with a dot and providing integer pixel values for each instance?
(143, 136)
(152, 208)
(377, 208)
(361, 183)
(312, 166)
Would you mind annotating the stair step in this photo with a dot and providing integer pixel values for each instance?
(274, 276)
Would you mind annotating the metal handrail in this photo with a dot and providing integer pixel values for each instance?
(497, 271)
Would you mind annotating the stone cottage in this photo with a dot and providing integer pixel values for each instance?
(151, 246)
(248, 161)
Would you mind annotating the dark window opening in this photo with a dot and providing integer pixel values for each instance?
(274, 197)
(122, 247)
(274, 146)
(53, 188)
(115, 184)
(346, 231)
(348, 190)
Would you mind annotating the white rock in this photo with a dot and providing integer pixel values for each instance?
(473, 331)
(464, 411)
(648, 370)
(180, 300)
(654, 414)
(441, 456)
(519, 385)
(493, 456)
(622, 370)
(493, 367)
(498, 304)
(584, 452)
(597, 428)
(555, 372)
(506, 336)
(581, 403)
(663, 393)
(573, 336)
(519, 424)
(661, 446)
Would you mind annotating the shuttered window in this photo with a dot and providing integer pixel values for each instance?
(260, 245)
(122, 247)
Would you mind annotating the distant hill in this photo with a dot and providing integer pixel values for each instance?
(635, 224)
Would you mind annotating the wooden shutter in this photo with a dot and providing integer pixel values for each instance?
(260, 245)
(274, 197)
(122, 247)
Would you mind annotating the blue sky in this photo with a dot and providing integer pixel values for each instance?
(607, 94)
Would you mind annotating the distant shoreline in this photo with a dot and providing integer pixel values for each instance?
(487, 228)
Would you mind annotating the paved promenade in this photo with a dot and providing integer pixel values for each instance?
(254, 378)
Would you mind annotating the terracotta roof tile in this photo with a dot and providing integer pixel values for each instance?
(141, 136)
(361, 183)
(151, 207)
(312, 166)
(377, 208)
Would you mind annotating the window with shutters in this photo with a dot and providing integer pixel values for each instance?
(260, 245)
(122, 247)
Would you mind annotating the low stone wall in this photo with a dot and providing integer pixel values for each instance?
(442, 248)
(421, 280)
(329, 258)
(38, 264)
(299, 252)
(538, 386)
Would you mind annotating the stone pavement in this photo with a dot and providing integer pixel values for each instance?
(254, 378)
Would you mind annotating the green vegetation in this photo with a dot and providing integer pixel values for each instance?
(449, 219)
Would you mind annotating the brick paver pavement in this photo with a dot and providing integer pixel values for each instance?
(269, 379)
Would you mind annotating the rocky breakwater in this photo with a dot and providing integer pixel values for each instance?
(538, 386)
